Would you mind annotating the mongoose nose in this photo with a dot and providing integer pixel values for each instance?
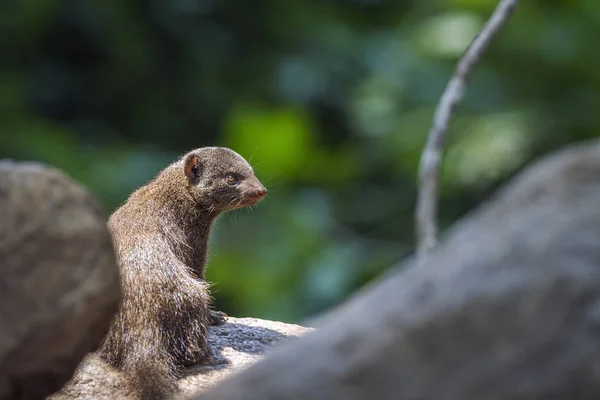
(261, 192)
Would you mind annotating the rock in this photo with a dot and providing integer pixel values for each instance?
(235, 345)
(507, 307)
(59, 285)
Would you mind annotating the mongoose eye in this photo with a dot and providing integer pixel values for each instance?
(231, 179)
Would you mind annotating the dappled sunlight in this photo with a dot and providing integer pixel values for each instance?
(495, 144)
(448, 35)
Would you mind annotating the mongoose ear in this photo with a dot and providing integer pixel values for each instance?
(193, 168)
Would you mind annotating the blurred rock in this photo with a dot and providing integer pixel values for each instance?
(59, 285)
(508, 307)
(235, 345)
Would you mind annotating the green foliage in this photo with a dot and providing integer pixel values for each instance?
(330, 100)
(283, 135)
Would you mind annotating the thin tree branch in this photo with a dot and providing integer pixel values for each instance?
(429, 166)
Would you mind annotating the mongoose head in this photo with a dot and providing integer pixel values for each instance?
(220, 179)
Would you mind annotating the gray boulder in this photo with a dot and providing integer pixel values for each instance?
(59, 285)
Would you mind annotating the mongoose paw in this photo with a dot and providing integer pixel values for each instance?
(217, 317)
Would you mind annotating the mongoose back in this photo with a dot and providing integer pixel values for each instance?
(161, 238)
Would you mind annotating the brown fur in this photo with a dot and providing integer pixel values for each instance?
(161, 237)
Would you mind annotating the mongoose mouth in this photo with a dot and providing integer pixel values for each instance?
(251, 198)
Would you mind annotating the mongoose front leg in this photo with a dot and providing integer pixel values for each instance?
(217, 317)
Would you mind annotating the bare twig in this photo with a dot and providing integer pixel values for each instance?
(429, 166)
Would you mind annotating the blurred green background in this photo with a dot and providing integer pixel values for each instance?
(330, 99)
